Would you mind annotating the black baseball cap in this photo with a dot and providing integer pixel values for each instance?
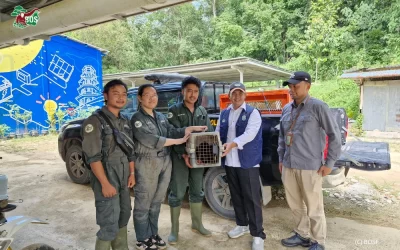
(237, 85)
(297, 77)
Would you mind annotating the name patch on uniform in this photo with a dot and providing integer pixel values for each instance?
(181, 114)
(138, 124)
(170, 115)
(88, 128)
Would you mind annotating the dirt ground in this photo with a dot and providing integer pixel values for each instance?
(37, 175)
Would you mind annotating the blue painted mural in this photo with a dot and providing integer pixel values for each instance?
(61, 79)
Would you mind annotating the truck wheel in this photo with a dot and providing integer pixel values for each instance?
(38, 247)
(217, 192)
(335, 178)
(75, 167)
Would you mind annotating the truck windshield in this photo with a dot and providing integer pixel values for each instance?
(211, 101)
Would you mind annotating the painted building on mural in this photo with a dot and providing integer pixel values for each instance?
(47, 83)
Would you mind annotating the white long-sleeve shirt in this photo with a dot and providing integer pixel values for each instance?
(253, 125)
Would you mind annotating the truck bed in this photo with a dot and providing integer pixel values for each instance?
(370, 156)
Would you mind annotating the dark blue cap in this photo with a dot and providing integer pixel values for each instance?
(298, 76)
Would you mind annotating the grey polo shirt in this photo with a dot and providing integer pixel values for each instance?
(314, 123)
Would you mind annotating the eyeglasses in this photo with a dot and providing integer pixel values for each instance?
(147, 96)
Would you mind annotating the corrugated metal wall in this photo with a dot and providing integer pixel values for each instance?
(381, 106)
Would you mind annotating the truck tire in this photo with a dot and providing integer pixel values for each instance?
(38, 247)
(217, 192)
(75, 167)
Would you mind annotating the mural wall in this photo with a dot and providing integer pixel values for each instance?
(47, 83)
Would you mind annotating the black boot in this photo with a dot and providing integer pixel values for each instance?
(316, 246)
(296, 240)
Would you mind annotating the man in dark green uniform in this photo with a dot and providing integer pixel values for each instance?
(112, 170)
(185, 114)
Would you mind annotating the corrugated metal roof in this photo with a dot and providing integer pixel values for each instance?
(219, 71)
(372, 73)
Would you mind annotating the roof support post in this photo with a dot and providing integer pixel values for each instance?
(278, 84)
(241, 71)
(361, 95)
(133, 82)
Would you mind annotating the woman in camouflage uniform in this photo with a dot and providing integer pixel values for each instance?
(151, 134)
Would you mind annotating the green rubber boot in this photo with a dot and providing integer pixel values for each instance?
(102, 245)
(173, 237)
(121, 241)
(197, 224)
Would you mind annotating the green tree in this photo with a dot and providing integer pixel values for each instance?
(26, 117)
(4, 130)
(60, 117)
(321, 40)
(322, 37)
(15, 112)
(115, 37)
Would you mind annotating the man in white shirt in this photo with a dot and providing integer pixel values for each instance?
(240, 130)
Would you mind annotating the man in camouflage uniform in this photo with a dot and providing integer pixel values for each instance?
(185, 114)
(112, 171)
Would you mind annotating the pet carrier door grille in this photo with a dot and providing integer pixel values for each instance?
(204, 149)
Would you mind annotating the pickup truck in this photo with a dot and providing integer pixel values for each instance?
(355, 154)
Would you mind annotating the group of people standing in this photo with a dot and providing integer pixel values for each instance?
(158, 162)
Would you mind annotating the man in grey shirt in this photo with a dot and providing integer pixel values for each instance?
(304, 125)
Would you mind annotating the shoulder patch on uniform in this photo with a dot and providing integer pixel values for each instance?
(126, 126)
(138, 124)
(88, 128)
(170, 115)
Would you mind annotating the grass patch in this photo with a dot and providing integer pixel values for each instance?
(394, 147)
(383, 188)
(338, 93)
(42, 143)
